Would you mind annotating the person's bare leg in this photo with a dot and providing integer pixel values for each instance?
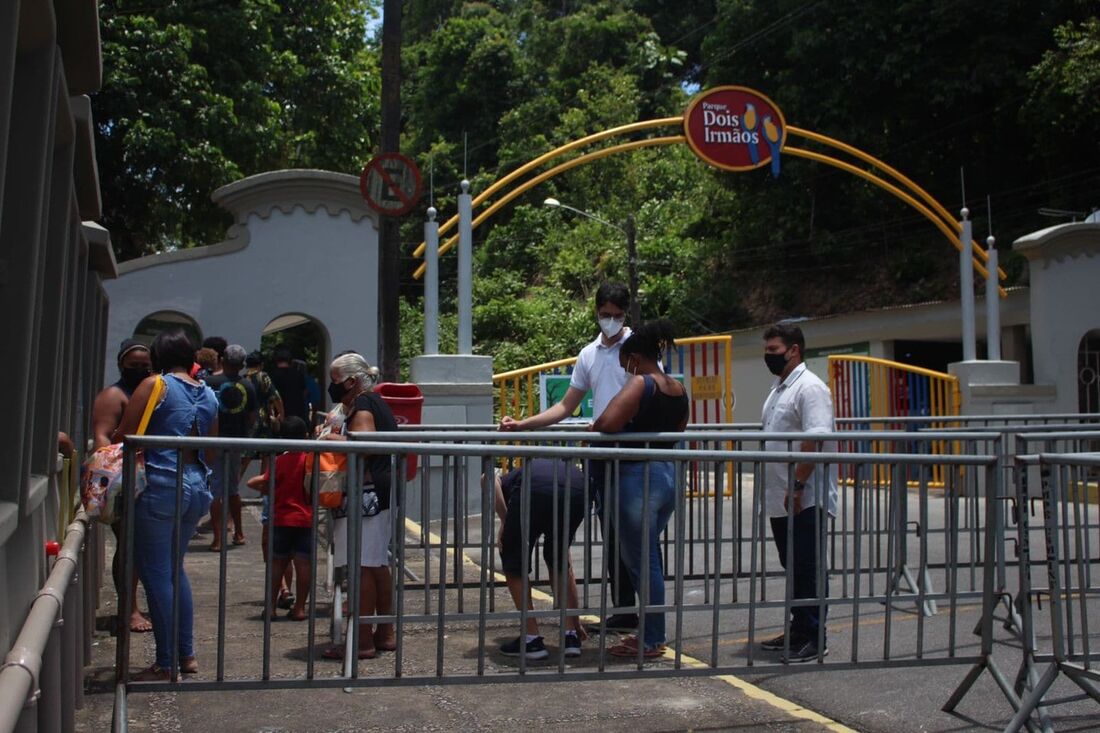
(384, 637)
(216, 524)
(367, 604)
(138, 622)
(515, 588)
(278, 567)
(302, 573)
(572, 600)
(235, 512)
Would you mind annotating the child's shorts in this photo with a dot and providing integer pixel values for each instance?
(292, 542)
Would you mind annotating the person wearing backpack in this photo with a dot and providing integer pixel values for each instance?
(237, 410)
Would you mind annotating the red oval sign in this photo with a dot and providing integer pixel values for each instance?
(735, 128)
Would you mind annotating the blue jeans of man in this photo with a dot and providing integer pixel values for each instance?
(631, 517)
(805, 620)
(154, 541)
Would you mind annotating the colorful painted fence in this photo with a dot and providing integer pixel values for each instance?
(704, 361)
(865, 387)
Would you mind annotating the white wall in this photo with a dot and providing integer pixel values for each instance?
(303, 243)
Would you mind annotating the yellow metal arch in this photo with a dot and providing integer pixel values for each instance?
(931, 209)
(546, 175)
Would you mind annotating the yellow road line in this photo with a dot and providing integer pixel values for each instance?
(750, 690)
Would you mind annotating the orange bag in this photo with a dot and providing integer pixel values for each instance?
(332, 479)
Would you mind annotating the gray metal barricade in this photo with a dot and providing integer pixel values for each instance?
(1059, 561)
(445, 623)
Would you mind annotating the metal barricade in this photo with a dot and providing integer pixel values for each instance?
(1058, 547)
(447, 625)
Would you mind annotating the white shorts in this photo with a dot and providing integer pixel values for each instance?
(375, 545)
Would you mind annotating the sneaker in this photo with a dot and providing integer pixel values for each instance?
(776, 644)
(535, 649)
(807, 652)
(572, 645)
(623, 622)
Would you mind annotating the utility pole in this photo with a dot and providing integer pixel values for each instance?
(389, 252)
(632, 271)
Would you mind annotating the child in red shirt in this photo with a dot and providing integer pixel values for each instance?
(292, 521)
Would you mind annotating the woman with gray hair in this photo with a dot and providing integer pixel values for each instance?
(357, 409)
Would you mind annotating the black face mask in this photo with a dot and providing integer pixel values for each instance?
(776, 362)
(133, 376)
(337, 391)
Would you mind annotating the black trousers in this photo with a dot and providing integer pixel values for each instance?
(805, 620)
(622, 589)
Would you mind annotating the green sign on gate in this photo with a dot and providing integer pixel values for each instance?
(552, 389)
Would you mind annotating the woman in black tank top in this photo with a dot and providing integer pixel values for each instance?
(651, 401)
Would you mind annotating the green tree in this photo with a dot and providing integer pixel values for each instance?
(197, 95)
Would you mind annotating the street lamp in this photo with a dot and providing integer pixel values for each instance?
(627, 229)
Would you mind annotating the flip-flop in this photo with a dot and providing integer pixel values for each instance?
(336, 652)
(297, 617)
(627, 651)
(238, 541)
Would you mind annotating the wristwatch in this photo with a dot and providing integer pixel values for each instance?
(798, 486)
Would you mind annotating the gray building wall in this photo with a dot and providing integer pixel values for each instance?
(51, 269)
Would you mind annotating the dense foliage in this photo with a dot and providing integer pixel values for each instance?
(198, 94)
(1008, 92)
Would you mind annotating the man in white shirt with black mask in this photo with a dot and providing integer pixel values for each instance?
(799, 402)
(597, 369)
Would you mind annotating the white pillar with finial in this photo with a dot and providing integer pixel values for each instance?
(966, 289)
(465, 270)
(992, 303)
(431, 283)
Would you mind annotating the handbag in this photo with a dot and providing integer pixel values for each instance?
(101, 474)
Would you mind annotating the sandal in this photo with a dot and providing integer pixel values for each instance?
(336, 652)
(631, 651)
(285, 600)
(151, 674)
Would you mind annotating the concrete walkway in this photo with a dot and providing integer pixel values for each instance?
(635, 705)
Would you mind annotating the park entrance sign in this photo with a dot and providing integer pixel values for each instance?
(735, 128)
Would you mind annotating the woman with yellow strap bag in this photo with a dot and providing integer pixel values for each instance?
(187, 408)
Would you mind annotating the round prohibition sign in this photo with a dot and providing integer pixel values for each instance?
(391, 184)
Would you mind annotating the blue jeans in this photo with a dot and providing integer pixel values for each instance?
(154, 539)
(630, 518)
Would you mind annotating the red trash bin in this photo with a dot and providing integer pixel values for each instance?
(406, 402)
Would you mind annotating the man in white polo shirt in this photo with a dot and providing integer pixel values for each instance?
(799, 402)
(597, 369)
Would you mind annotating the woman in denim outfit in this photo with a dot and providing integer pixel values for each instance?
(650, 402)
(186, 408)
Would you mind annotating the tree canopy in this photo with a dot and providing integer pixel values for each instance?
(198, 94)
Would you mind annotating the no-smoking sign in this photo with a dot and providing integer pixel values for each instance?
(390, 184)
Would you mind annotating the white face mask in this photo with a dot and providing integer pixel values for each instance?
(611, 327)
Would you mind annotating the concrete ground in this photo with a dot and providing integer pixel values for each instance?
(765, 696)
(625, 704)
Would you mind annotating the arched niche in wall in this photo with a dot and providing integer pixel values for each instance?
(154, 323)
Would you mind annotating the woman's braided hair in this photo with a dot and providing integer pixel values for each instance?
(650, 339)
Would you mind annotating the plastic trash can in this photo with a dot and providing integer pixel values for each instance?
(406, 401)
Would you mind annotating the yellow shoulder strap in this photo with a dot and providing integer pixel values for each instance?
(154, 399)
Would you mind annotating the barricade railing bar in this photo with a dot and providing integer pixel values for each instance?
(44, 668)
(737, 481)
(445, 622)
